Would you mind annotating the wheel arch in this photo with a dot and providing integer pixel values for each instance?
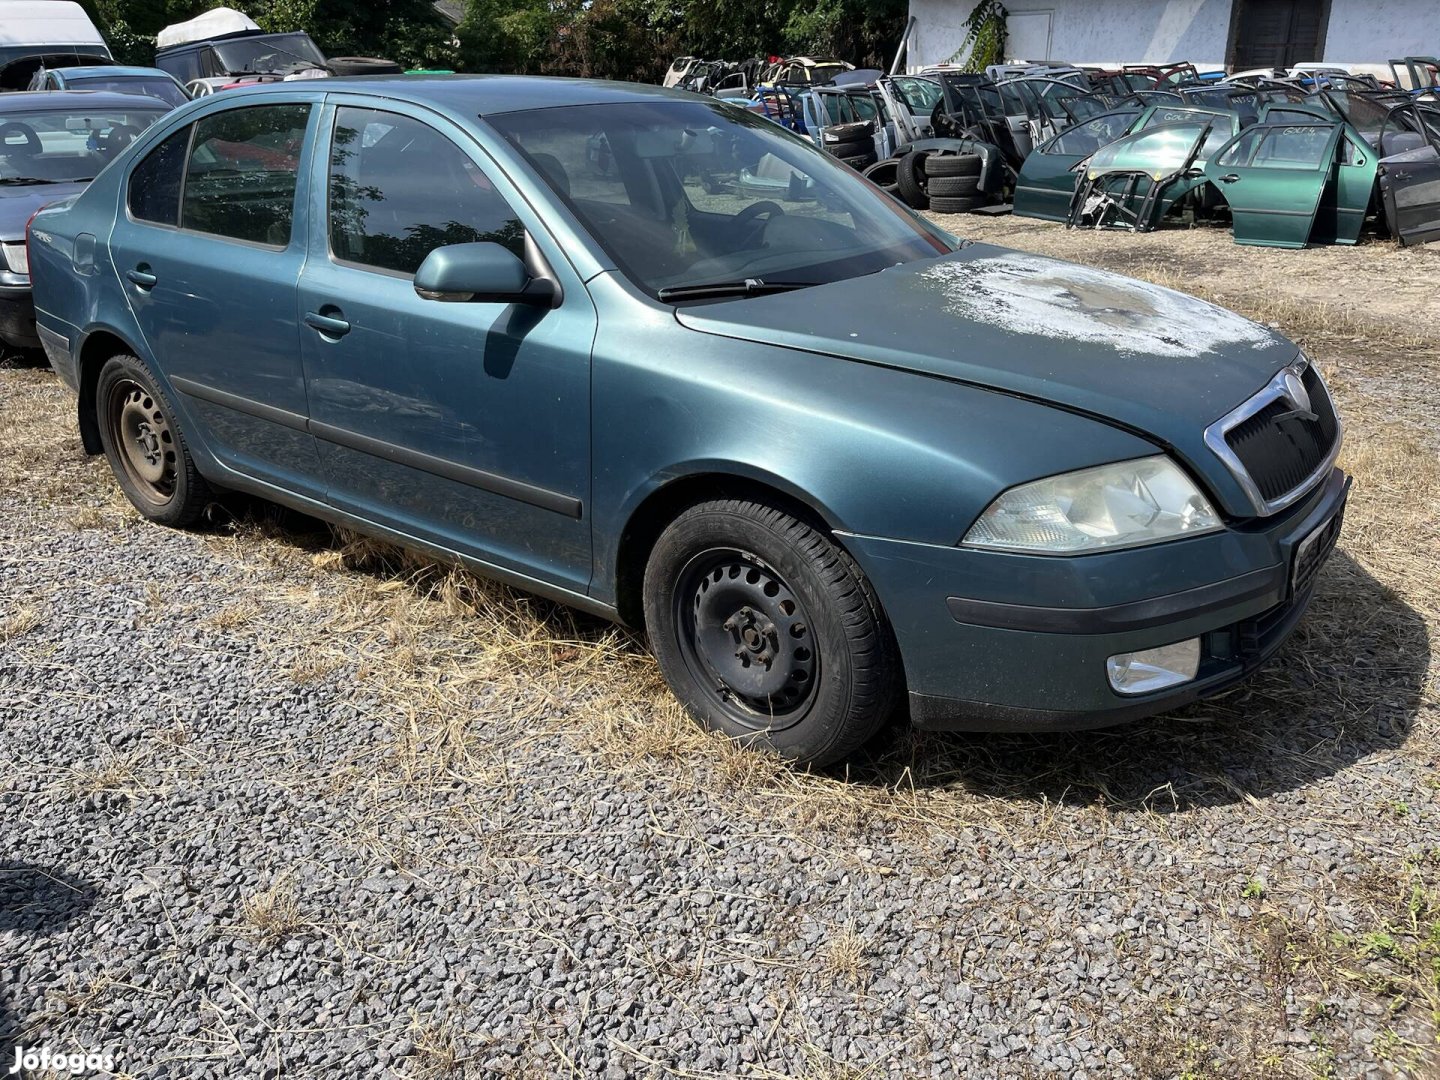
(98, 345)
(660, 506)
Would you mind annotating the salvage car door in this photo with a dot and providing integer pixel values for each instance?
(1410, 187)
(1047, 178)
(1273, 177)
(465, 424)
(208, 255)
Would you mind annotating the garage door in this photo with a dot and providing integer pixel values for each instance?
(1277, 33)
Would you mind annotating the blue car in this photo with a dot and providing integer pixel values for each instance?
(114, 78)
(838, 464)
(51, 146)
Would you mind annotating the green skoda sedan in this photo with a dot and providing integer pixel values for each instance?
(839, 465)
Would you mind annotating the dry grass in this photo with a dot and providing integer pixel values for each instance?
(272, 914)
(19, 622)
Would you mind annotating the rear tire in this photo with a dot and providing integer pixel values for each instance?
(855, 131)
(144, 445)
(954, 187)
(952, 165)
(769, 633)
(941, 204)
(850, 148)
(910, 179)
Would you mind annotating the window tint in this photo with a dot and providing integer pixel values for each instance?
(400, 189)
(1299, 147)
(1088, 137)
(241, 179)
(154, 193)
(1240, 150)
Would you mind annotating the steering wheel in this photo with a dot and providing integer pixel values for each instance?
(33, 145)
(117, 138)
(746, 223)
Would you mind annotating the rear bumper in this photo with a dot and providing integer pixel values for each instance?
(988, 664)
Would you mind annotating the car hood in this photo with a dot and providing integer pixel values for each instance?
(1146, 357)
(17, 204)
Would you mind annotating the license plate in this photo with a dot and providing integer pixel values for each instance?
(1311, 553)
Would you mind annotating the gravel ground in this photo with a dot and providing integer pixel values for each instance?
(272, 805)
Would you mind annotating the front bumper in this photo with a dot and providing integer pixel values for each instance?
(17, 315)
(1001, 642)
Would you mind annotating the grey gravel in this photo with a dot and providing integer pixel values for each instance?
(212, 867)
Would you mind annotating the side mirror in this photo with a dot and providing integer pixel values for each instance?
(484, 272)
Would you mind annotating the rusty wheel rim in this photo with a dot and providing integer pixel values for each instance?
(141, 434)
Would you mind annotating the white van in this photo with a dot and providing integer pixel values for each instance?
(45, 33)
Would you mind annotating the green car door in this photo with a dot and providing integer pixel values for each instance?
(1285, 185)
(1047, 178)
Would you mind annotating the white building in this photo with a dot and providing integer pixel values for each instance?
(1233, 34)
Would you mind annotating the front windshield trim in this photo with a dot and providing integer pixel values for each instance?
(900, 235)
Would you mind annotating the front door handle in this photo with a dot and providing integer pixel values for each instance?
(142, 277)
(1229, 178)
(327, 324)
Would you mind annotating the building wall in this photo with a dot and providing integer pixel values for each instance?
(1374, 31)
(1088, 31)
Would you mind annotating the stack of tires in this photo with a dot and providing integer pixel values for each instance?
(854, 144)
(943, 182)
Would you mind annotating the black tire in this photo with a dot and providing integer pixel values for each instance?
(882, 174)
(362, 65)
(851, 148)
(961, 187)
(953, 165)
(946, 205)
(851, 132)
(145, 447)
(768, 632)
(910, 180)
(860, 162)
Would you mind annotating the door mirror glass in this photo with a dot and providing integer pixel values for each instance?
(485, 272)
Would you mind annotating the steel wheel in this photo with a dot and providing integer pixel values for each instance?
(747, 638)
(139, 430)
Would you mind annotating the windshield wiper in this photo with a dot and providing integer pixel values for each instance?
(747, 287)
(30, 180)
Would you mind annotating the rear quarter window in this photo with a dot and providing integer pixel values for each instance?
(153, 193)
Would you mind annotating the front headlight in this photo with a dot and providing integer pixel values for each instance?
(1100, 509)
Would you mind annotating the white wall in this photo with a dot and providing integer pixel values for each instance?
(1093, 31)
(1374, 31)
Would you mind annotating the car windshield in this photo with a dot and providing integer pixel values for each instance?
(688, 194)
(55, 145)
(147, 85)
(824, 73)
(268, 54)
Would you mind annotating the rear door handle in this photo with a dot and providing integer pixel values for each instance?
(1229, 178)
(327, 324)
(141, 277)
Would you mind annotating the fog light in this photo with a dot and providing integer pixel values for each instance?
(1154, 669)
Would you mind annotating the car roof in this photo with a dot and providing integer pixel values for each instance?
(97, 71)
(44, 100)
(486, 95)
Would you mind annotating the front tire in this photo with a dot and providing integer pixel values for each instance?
(768, 632)
(143, 443)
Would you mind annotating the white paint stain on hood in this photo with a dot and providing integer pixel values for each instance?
(1029, 294)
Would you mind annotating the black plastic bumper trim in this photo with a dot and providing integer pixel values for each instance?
(1268, 583)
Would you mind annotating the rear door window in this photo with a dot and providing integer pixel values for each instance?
(241, 178)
